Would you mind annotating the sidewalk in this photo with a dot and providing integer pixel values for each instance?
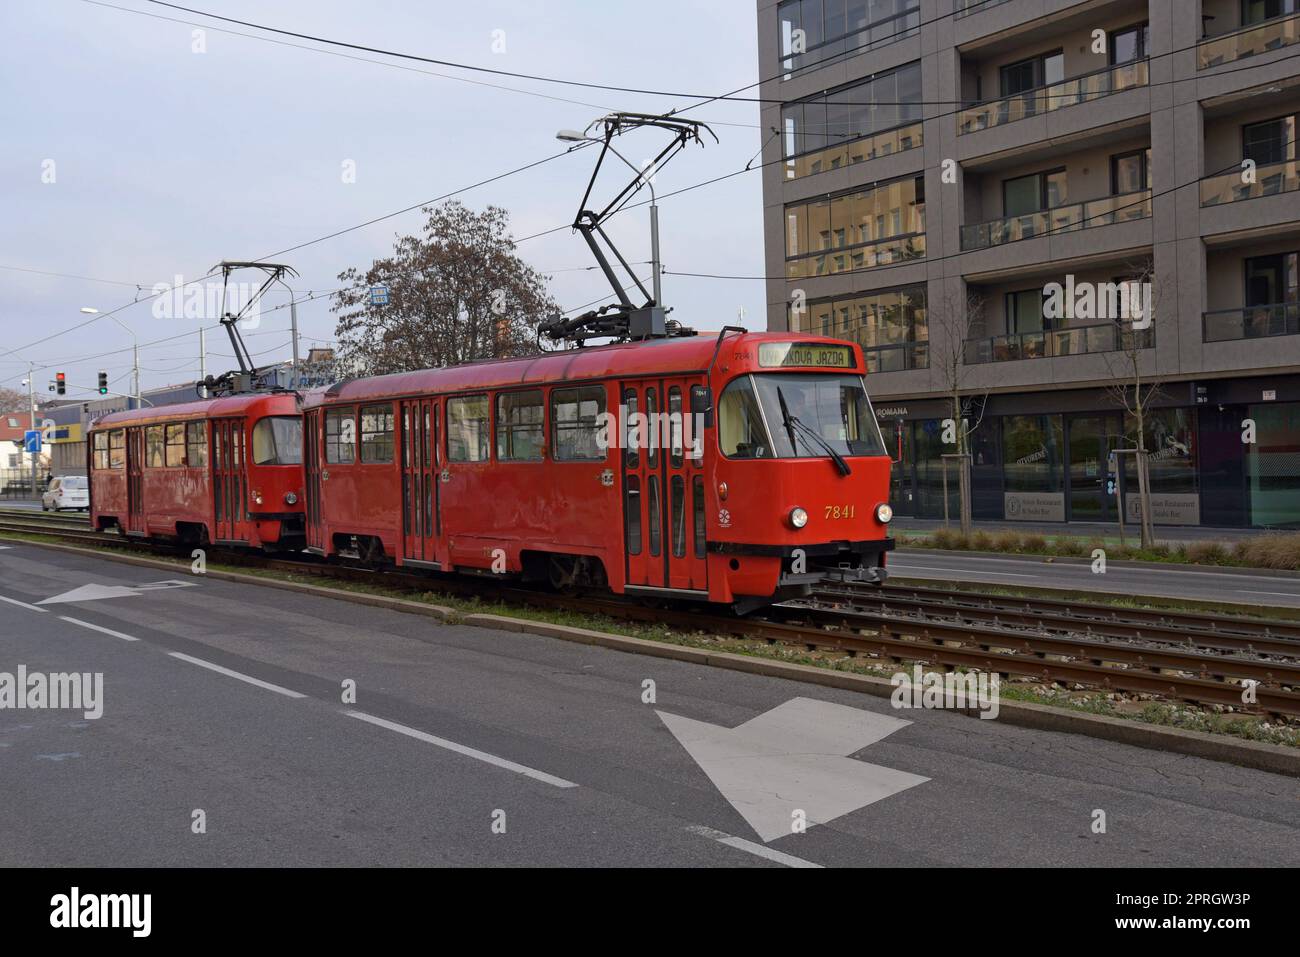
(1084, 530)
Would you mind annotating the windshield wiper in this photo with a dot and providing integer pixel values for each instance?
(792, 422)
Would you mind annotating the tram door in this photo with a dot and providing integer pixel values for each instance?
(663, 487)
(135, 481)
(229, 485)
(312, 466)
(421, 465)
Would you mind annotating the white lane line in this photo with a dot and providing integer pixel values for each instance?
(107, 631)
(22, 604)
(904, 567)
(235, 674)
(749, 847)
(1284, 594)
(462, 749)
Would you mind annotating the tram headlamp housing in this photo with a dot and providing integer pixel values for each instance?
(798, 517)
(290, 498)
(884, 513)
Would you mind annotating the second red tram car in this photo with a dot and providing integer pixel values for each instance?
(226, 471)
(741, 469)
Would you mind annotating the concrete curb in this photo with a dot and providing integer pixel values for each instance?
(1250, 754)
(1280, 573)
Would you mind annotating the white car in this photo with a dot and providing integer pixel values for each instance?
(67, 491)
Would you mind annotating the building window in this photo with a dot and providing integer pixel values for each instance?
(468, 434)
(1257, 11)
(1025, 311)
(175, 454)
(376, 434)
(1037, 71)
(859, 230)
(154, 457)
(574, 414)
(1033, 454)
(1130, 172)
(340, 436)
(519, 426)
(1037, 191)
(1271, 141)
(196, 444)
(815, 31)
(891, 325)
(880, 102)
(1129, 44)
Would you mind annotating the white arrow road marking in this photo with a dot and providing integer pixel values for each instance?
(96, 592)
(794, 757)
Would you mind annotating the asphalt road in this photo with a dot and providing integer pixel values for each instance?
(1246, 589)
(461, 723)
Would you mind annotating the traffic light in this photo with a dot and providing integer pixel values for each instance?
(103, 383)
(61, 383)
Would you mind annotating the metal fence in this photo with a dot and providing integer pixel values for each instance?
(16, 484)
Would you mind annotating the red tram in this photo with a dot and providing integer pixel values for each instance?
(737, 470)
(226, 471)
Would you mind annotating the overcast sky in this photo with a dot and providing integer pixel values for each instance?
(166, 161)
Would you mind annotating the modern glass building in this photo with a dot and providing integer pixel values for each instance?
(971, 189)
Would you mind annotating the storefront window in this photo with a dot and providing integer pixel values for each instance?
(1273, 465)
(1033, 470)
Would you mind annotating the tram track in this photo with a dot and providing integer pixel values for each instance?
(1208, 659)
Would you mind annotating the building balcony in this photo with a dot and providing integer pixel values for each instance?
(883, 252)
(1249, 41)
(902, 357)
(1271, 179)
(1106, 211)
(1054, 343)
(1056, 96)
(1252, 322)
(885, 143)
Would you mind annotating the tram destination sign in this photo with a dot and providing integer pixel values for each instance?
(816, 355)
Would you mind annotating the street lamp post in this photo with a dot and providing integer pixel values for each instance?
(573, 136)
(135, 349)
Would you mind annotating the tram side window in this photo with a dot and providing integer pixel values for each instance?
(117, 449)
(340, 436)
(376, 433)
(101, 450)
(153, 447)
(574, 423)
(519, 426)
(196, 444)
(467, 429)
(175, 451)
(740, 423)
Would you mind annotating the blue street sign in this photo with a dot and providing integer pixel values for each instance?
(32, 441)
(378, 295)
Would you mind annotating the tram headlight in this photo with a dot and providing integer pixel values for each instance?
(290, 498)
(884, 513)
(257, 497)
(798, 517)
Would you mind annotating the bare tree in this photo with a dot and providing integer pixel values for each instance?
(11, 400)
(953, 317)
(1136, 313)
(456, 294)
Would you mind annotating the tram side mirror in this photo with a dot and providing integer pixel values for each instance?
(702, 403)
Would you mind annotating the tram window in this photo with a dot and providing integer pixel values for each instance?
(678, 530)
(519, 426)
(175, 448)
(656, 434)
(675, 426)
(277, 440)
(656, 517)
(633, 438)
(697, 496)
(153, 442)
(196, 444)
(698, 422)
(376, 434)
(574, 423)
(467, 429)
(340, 436)
(117, 449)
(632, 509)
(740, 422)
(101, 450)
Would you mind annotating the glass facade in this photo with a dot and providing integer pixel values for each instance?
(890, 324)
(879, 224)
(817, 31)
